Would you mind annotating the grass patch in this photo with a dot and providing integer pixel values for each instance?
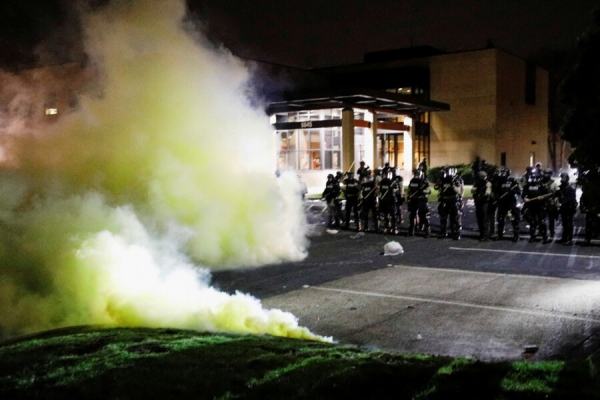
(141, 363)
(540, 377)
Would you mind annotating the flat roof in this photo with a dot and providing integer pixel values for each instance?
(375, 100)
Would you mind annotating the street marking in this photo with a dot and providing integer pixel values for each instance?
(522, 252)
(461, 304)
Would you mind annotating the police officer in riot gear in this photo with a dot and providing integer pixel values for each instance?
(551, 201)
(568, 207)
(451, 189)
(505, 191)
(367, 203)
(588, 204)
(387, 203)
(331, 194)
(400, 198)
(535, 194)
(527, 177)
(388, 171)
(351, 192)
(482, 191)
(362, 171)
(418, 211)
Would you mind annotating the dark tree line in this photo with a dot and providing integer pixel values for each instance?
(580, 91)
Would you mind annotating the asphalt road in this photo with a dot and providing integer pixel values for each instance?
(332, 256)
(489, 300)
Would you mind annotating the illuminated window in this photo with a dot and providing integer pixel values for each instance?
(310, 149)
(402, 90)
(332, 149)
(51, 111)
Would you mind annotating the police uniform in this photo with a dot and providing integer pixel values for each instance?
(362, 171)
(589, 206)
(552, 201)
(534, 195)
(368, 203)
(505, 192)
(451, 189)
(418, 210)
(400, 198)
(387, 204)
(351, 193)
(481, 191)
(331, 194)
(567, 199)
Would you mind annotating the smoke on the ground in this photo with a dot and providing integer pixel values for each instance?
(116, 212)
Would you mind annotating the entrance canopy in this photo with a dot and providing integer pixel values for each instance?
(375, 100)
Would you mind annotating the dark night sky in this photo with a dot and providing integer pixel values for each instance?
(315, 33)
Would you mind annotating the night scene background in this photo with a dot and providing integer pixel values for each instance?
(314, 33)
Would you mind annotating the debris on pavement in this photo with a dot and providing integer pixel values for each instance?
(392, 248)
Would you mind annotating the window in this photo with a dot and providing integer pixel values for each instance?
(421, 140)
(503, 159)
(332, 149)
(530, 77)
(309, 149)
(287, 151)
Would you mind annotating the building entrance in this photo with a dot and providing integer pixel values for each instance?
(391, 149)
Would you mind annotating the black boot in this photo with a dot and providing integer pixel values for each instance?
(545, 237)
(427, 232)
(442, 231)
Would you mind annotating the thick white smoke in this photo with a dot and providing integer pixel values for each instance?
(106, 216)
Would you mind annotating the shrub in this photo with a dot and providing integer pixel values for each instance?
(465, 171)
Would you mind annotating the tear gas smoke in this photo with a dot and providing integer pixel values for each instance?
(106, 215)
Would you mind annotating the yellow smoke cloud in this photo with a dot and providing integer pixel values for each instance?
(107, 216)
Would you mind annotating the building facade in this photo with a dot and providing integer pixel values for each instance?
(401, 105)
(396, 107)
(499, 110)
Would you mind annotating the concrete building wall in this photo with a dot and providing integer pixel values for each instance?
(488, 113)
(466, 81)
(25, 96)
(522, 128)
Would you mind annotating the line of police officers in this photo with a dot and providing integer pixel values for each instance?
(543, 202)
(378, 196)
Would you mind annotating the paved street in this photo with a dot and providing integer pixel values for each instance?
(489, 300)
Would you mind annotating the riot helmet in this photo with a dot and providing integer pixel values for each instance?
(504, 173)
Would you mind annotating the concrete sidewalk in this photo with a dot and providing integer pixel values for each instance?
(456, 313)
